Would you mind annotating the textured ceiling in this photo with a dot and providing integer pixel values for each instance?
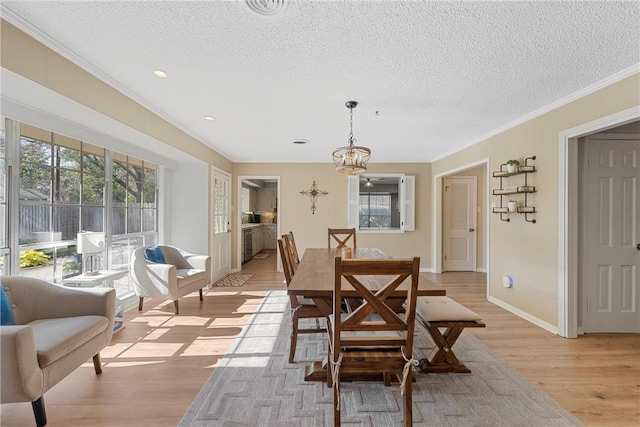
(430, 77)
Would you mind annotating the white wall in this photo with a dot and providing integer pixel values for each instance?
(187, 207)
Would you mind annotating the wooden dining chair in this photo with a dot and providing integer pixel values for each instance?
(289, 245)
(374, 338)
(301, 308)
(342, 236)
(294, 249)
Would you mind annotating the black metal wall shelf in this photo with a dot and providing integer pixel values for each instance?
(525, 189)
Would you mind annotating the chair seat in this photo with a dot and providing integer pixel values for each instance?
(187, 276)
(436, 309)
(56, 338)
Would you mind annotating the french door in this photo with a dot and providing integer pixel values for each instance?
(221, 227)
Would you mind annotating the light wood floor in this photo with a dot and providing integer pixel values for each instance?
(156, 366)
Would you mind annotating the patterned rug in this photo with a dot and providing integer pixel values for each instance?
(234, 279)
(261, 256)
(254, 385)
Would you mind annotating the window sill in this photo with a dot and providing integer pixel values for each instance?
(380, 230)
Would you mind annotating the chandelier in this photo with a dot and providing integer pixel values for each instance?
(351, 159)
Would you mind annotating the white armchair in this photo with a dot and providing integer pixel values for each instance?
(56, 330)
(181, 274)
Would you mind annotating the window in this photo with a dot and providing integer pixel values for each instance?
(375, 210)
(381, 202)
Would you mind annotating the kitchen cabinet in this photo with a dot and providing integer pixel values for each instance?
(245, 201)
(266, 199)
(269, 236)
(256, 239)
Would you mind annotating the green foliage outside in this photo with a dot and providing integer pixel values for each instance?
(32, 258)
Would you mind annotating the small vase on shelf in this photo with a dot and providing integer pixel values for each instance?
(512, 205)
(512, 165)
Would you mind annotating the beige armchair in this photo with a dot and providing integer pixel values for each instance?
(181, 274)
(57, 330)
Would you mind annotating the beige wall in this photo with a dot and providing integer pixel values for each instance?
(529, 252)
(294, 209)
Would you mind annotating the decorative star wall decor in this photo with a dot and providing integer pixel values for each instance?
(313, 193)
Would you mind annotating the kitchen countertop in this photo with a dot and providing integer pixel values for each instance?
(250, 225)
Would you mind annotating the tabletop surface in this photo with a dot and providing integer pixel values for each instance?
(314, 275)
(102, 275)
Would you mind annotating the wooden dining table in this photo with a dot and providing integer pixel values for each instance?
(314, 279)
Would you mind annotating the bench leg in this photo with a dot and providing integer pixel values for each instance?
(442, 358)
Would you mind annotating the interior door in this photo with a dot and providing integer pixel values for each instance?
(611, 235)
(221, 245)
(459, 252)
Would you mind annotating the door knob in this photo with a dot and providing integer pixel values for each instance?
(638, 247)
(473, 229)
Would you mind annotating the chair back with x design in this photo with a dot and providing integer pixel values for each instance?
(374, 337)
(342, 236)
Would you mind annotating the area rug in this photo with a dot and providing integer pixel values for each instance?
(234, 279)
(261, 256)
(254, 385)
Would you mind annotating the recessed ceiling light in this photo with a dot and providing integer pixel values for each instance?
(210, 118)
(159, 73)
(300, 141)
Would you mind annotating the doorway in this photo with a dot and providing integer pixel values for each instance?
(478, 211)
(459, 220)
(258, 219)
(221, 224)
(609, 220)
(570, 303)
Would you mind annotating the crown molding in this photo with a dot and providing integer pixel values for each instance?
(621, 75)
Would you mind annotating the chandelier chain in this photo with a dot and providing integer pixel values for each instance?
(351, 127)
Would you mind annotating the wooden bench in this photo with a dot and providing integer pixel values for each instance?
(443, 312)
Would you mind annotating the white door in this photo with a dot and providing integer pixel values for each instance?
(611, 235)
(459, 216)
(221, 245)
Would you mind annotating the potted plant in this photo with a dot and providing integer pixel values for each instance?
(512, 165)
(512, 205)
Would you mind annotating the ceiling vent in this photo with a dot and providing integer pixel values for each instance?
(266, 7)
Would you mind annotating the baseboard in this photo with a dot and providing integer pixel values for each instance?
(526, 316)
(426, 270)
(481, 270)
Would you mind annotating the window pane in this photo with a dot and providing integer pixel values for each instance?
(67, 158)
(134, 220)
(35, 183)
(375, 210)
(119, 182)
(66, 222)
(3, 222)
(66, 186)
(34, 151)
(119, 220)
(148, 220)
(33, 219)
(93, 190)
(150, 186)
(119, 193)
(134, 189)
(92, 218)
(3, 180)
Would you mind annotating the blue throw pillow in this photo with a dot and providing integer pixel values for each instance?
(6, 313)
(154, 254)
